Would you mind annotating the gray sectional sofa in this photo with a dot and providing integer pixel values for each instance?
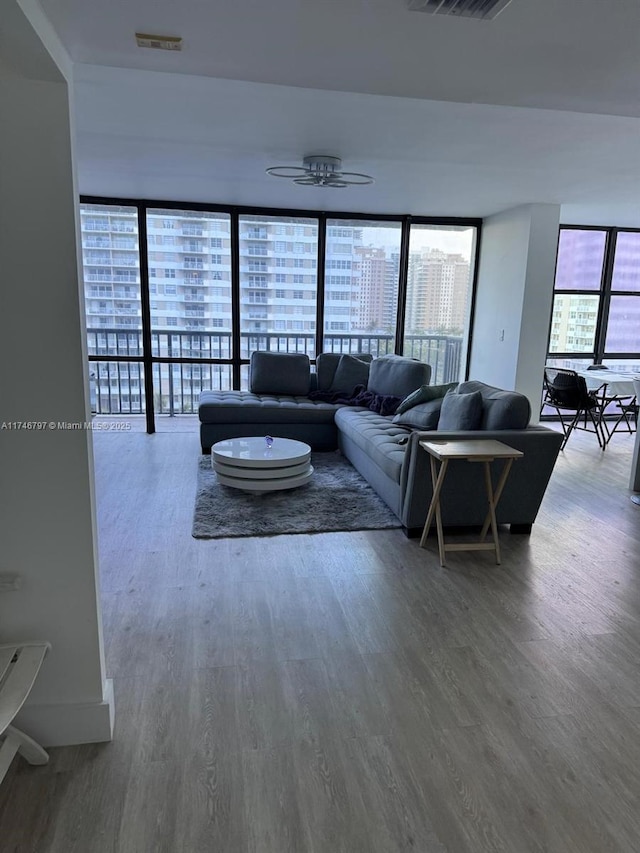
(288, 400)
(278, 402)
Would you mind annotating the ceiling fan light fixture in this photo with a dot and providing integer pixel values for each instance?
(320, 170)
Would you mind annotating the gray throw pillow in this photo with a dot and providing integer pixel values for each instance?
(327, 364)
(280, 373)
(397, 376)
(351, 371)
(422, 416)
(424, 394)
(500, 409)
(461, 411)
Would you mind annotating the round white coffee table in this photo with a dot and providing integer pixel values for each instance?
(252, 465)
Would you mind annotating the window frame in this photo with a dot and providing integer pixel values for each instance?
(599, 353)
(319, 229)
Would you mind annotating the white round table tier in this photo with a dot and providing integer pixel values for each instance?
(273, 485)
(248, 464)
(254, 453)
(261, 473)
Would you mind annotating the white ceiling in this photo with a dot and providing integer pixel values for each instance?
(559, 54)
(454, 117)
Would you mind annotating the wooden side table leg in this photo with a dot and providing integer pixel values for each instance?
(435, 498)
(440, 531)
(492, 510)
(497, 495)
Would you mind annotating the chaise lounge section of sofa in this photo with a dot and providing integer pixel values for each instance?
(277, 403)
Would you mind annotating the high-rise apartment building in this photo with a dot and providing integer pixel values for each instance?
(369, 309)
(437, 292)
(390, 300)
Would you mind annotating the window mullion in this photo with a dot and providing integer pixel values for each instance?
(605, 291)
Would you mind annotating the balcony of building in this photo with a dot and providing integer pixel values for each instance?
(117, 366)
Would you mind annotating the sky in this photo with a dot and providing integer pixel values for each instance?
(449, 239)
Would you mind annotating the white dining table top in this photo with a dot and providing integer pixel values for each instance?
(618, 384)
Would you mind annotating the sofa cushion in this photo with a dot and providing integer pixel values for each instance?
(396, 376)
(461, 411)
(279, 373)
(376, 435)
(500, 409)
(351, 371)
(422, 416)
(424, 394)
(327, 364)
(233, 407)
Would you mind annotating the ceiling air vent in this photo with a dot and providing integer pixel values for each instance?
(482, 9)
(159, 42)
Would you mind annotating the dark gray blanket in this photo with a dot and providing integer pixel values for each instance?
(383, 404)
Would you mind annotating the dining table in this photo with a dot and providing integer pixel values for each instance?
(616, 385)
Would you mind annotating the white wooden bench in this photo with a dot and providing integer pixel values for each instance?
(19, 666)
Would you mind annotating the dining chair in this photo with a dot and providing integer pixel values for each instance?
(627, 411)
(627, 419)
(566, 392)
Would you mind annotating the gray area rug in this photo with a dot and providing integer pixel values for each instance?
(337, 498)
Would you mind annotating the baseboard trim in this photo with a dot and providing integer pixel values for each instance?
(70, 724)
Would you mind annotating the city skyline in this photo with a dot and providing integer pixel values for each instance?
(180, 263)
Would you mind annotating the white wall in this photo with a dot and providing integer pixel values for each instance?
(47, 508)
(514, 299)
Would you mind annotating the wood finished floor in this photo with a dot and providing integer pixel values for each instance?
(342, 692)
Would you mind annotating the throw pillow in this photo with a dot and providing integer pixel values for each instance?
(461, 411)
(424, 394)
(500, 409)
(280, 373)
(351, 371)
(422, 416)
(397, 376)
(327, 364)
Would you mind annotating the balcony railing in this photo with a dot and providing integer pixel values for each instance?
(116, 385)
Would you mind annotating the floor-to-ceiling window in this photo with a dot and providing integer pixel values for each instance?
(189, 273)
(438, 297)
(278, 290)
(577, 299)
(622, 339)
(111, 260)
(179, 295)
(596, 306)
(361, 275)
(595, 318)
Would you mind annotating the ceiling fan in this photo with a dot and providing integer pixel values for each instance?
(320, 170)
